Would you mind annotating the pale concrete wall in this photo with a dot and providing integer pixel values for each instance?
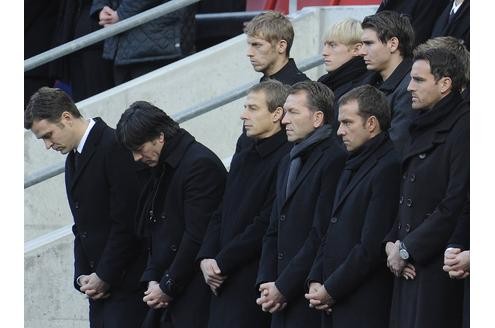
(50, 300)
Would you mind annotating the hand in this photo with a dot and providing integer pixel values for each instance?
(394, 262)
(319, 298)
(212, 274)
(94, 287)
(271, 299)
(108, 16)
(409, 272)
(456, 263)
(154, 297)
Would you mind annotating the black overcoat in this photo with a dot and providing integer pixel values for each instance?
(350, 262)
(176, 207)
(235, 233)
(434, 189)
(102, 195)
(293, 236)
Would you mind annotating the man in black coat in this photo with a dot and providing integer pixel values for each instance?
(307, 178)
(434, 192)
(232, 245)
(349, 270)
(269, 37)
(102, 188)
(387, 47)
(186, 187)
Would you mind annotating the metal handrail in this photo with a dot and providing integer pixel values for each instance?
(104, 33)
(180, 117)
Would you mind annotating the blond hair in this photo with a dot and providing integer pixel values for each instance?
(271, 26)
(348, 32)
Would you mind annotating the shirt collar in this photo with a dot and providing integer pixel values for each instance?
(85, 136)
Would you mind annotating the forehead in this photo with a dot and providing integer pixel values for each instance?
(257, 39)
(43, 127)
(258, 97)
(296, 101)
(349, 109)
(369, 34)
(421, 67)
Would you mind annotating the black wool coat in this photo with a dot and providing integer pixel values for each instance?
(175, 209)
(434, 192)
(235, 233)
(102, 195)
(293, 236)
(350, 262)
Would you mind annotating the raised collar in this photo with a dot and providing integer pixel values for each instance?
(175, 147)
(289, 74)
(389, 85)
(265, 147)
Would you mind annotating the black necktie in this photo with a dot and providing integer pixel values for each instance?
(451, 15)
(77, 160)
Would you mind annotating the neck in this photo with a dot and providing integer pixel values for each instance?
(392, 65)
(277, 65)
(458, 2)
(276, 128)
(80, 126)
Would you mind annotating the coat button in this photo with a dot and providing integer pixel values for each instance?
(413, 177)
(282, 218)
(427, 215)
(401, 199)
(280, 256)
(422, 156)
(408, 227)
(76, 205)
(173, 248)
(333, 220)
(163, 217)
(409, 202)
(404, 176)
(400, 225)
(91, 264)
(84, 235)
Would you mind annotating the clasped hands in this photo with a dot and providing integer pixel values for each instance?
(398, 266)
(93, 286)
(212, 274)
(319, 298)
(456, 263)
(154, 297)
(108, 16)
(271, 299)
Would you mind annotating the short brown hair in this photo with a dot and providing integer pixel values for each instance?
(48, 103)
(275, 92)
(271, 26)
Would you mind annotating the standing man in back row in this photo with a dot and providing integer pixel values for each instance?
(102, 189)
(269, 37)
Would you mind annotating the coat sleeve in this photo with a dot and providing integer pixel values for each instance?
(203, 191)
(316, 272)
(81, 265)
(430, 238)
(267, 270)
(211, 242)
(246, 246)
(97, 6)
(366, 255)
(122, 245)
(460, 237)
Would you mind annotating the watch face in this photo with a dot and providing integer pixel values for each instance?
(403, 254)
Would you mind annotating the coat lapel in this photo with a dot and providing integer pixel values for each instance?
(310, 162)
(89, 149)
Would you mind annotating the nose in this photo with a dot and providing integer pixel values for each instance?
(249, 51)
(410, 86)
(243, 114)
(285, 119)
(362, 51)
(324, 52)
(340, 130)
(136, 156)
(48, 143)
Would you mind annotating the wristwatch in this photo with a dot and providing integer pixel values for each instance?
(403, 253)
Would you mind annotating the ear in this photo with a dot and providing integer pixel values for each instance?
(445, 84)
(372, 124)
(318, 119)
(393, 44)
(67, 118)
(281, 47)
(161, 138)
(356, 48)
(277, 114)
